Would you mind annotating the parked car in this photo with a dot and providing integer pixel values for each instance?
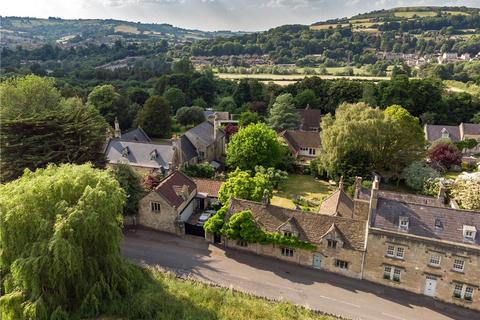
(204, 217)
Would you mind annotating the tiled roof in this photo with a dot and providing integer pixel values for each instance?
(136, 135)
(310, 119)
(422, 220)
(338, 203)
(171, 188)
(434, 132)
(297, 139)
(471, 128)
(211, 187)
(148, 155)
(312, 227)
(188, 149)
(202, 132)
(364, 194)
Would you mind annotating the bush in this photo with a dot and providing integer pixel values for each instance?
(417, 173)
(444, 155)
(466, 191)
(201, 170)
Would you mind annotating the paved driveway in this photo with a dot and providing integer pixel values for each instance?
(274, 279)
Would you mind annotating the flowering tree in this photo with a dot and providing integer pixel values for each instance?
(466, 191)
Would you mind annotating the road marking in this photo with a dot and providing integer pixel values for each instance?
(392, 316)
(347, 303)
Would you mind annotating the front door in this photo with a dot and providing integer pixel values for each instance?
(430, 286)
(317, 260)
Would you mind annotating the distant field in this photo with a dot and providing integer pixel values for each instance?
(457, 86)
(327, 26)
(289, 79)
(410, 14)
(126, 29)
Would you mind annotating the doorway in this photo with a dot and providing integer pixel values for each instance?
(430, 286)
(317, 260)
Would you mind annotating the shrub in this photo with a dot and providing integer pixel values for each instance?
(201, 170)
(466, 191)
(417, 173)
(444, 155)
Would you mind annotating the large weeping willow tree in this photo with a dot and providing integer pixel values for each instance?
(60, 244)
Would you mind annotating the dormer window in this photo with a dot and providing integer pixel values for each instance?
(153, 154)
(403, 223)
(438, 224)
(469, 233)
(445, 134)
(287, 233)
(125, 152)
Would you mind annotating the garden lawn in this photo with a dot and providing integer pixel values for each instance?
(304, 186)
(167, 297)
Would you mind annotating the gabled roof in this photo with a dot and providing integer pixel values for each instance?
(334, 229)
(311, 226)
(310, 119)
(297, 139)
(422, 220)
(172, 186)
(208, 186)
(188, 149)
(434, 132)
(364, 194)
(470, 128)
(140, 154)
(338, 203)
(202, 132)
(136, 135)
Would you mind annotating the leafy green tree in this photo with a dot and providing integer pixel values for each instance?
(154, 117)
(247, 118)
(283, 115)
(28, 96)
(60, 240)
(190, 115)
(254, 145)
(74, 135)
(306, 98)
(199, 102)
(130, 182)
(203, 87)
(107, 101)
(138, 95)
(417, 174)
(242, 92)
(182, 66)
(240, 184)
(476, 118)
(175, 97)
(226, 104)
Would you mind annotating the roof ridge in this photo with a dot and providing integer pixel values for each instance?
(437, 207)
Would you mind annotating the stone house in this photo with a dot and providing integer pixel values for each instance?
(169, 205)
(458, 133)
(340, 241)
(419, 244)
(208, 139)
(303, 145)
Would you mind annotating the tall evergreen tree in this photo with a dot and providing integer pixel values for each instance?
(283, 115)
(154, 118)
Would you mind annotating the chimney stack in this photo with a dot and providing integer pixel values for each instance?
(118, 132)
(340, 183)
(358, 186)
(374, 193)
(265, 198)
(215, 127)
(441, 193)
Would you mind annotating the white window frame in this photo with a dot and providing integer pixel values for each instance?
(400, 254)
(463, 291)
(396, 252)
(457, 262)
(155, 206)
(390, 250)
(332, 243)
(435, 260)
(403, 223)
(311, 151)
(392, 273)
(287, 252)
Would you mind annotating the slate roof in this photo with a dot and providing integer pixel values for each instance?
(209, 186)
(434, 132)
(470, 128)
(338, 203)
(422, 220)
(188, 149)
(171, 188)
(312, 227)
(310, 119)
(364, 194)
(139, 153)
(136, 135)
(297, 139)
(202, 132)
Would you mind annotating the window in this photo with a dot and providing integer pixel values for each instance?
(311, 151)
(287, 252)
(403, 223)
(395, 252)
(463, 291)
(458, 265)
(469, 233)
(155, 206)
(341, 264)
(242, 243)
(390, 251)
(434, 260)
(438, 223)
(400, 252)
(287, 233)
(392, 273)
(331, 243)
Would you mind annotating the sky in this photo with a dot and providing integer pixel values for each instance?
(210, 15)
